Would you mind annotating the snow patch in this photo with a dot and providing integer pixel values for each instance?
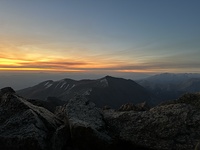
(62, 85)
(57, 85)
(67, 87)
(88, 92)
(73, 86)
(48, 84)
(104, 82)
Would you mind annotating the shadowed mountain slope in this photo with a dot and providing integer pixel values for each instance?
(168, 86)
(105, 91)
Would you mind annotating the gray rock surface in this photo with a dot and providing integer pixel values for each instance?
(86, 124)
(139, 107)
(128, 107)
(188, 98)
(171, 126)
(167, 127)
(24, 125)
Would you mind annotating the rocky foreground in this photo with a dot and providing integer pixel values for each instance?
(79, 125)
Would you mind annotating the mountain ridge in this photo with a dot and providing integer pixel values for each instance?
(169, 86)
(108, 90)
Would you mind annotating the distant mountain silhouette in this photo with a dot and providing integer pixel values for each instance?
(171, 86)
(109, 91)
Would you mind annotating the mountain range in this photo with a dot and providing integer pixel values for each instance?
(169, 86)
(106, 91)
(113, 92)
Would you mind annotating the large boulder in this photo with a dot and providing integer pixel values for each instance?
(188, 98)
(26, 126)
(87, 126)
(167, 127)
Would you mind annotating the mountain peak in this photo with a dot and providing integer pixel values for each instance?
(113, 78)
(6, 90)
(111, 91)
(107, 76)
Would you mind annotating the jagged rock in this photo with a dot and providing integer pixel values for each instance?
(45, 104)
(168, 127)
(143, 106)
(24, 125)
(87, 127)
(128, 107)
(106, 107)
(131, 107)
(6, 90)
(188, 98)
(50, 103)
(62, 138)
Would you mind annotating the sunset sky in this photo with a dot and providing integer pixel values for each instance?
(100, 36)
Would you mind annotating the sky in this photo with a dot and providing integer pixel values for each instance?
(115, 37)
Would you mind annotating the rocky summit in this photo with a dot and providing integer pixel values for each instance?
(169, 127)
(24, 125)
(80, 125)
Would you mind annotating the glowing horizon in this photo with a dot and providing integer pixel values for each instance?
(99, 36)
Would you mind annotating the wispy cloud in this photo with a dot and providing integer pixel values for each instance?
(15, 56)
(167, 64)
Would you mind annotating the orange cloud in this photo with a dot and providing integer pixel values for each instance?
(18, 57)
(49, 65)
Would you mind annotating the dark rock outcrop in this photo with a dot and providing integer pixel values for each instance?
(197, 146)
(167, 127)
(139, 107)
(6, 90)
(26, 126)
(188, 98)
(50, 103)
(79, 125)
(143, 106)
(87, 126)
(128, 107)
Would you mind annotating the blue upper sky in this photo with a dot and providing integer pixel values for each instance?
(100, 35)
